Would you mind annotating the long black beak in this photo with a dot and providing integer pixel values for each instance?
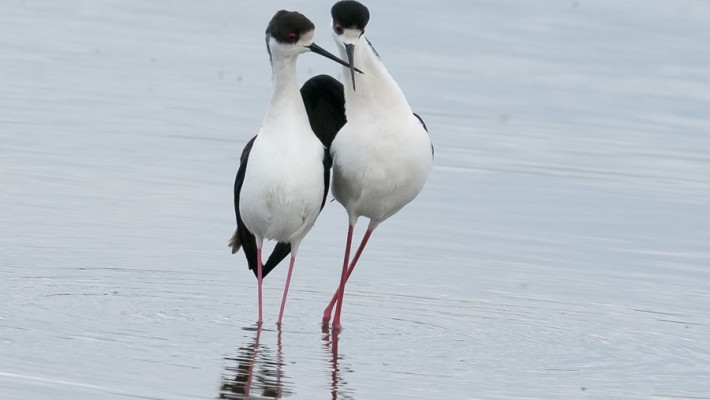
(319, 50)
(350, 50)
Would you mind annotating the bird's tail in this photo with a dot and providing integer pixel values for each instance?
(234, 242)
(281, 250)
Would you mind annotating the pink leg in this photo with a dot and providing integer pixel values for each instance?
(343, 276)
(288, 282)
(259, 280)
(346, 275)
(329, 310)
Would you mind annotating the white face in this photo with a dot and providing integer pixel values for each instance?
(306, 39)
(349, 36)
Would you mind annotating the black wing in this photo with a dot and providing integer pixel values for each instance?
(242, 237)
(424, 125)
(324, 99)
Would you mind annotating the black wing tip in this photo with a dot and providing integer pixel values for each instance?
(281, 250)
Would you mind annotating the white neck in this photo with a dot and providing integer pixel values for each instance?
(375, 89)
(286, 102)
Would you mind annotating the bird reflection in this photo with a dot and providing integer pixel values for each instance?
(337, 383)
(258, 372)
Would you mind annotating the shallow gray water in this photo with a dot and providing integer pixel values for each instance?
(559, 250)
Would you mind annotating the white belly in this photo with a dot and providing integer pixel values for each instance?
(377, 169)
(283, 189)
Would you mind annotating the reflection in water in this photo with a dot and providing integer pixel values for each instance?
(337, 383)
(258, 373)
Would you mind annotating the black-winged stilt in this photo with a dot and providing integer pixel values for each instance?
(284, 172)
(383, 155)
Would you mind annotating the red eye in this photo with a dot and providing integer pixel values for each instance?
(339, 29)
(291, 37)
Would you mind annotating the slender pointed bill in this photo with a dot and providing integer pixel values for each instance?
(319, 50)
(349, 50)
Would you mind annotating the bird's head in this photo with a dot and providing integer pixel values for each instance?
(349, 20)
(290, 33)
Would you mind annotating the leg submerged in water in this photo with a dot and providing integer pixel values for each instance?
(329, 310)
(343, 276)
(346, 275)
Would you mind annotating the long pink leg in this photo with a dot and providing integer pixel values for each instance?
(343, 275)
(329, 310)
(339, 306)
(288, 282)
(259, 279)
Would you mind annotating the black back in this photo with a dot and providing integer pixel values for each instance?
(324, 99)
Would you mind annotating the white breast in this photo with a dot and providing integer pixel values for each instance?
(283, 186)
(379, 166)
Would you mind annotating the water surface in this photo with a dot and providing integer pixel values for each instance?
(559, 249)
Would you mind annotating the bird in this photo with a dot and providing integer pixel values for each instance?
(284, 171)
(383, 155)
